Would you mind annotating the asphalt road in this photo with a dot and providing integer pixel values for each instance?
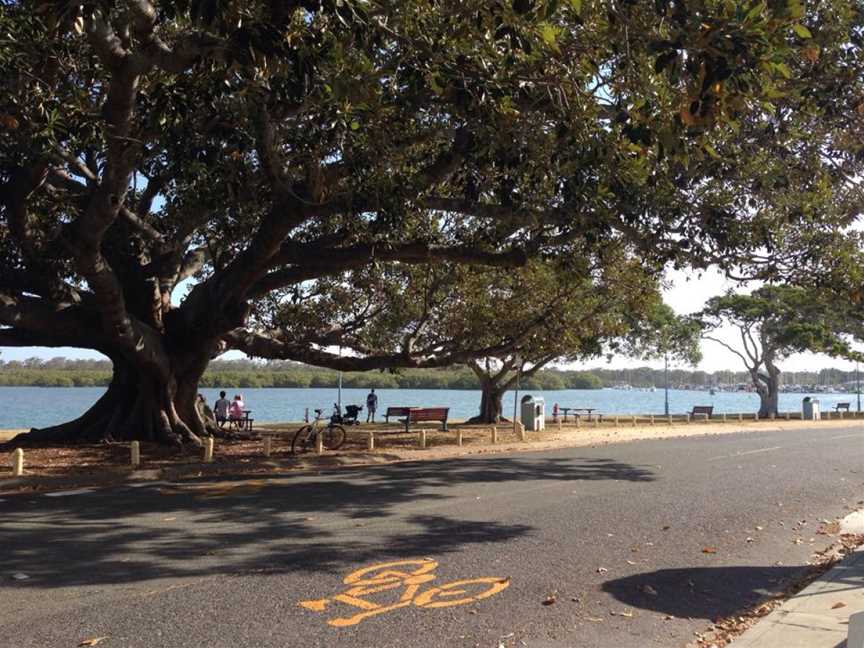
(616, 534)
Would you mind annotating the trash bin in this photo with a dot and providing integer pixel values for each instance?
(533, 413)
(810, 409)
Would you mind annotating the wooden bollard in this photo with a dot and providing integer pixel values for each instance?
(493, 433)
(135, 454)
(616, 421)
(634, 421)
(688, 418)
(458, 437)
(578, 421)
(740, 417)
(520, 431)
(788, 417)
(772, 416)
(319, 444)
(370, 441)
(208, 449)
(651, 420)
(840, 413)
(724, 417)
(706, 418)
(268, 445)
(669, 419)
(596, 421)
(828, 414)
(560, 425)
(422, 438)
(18, 462)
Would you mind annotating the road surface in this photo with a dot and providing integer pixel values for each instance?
(629, 545)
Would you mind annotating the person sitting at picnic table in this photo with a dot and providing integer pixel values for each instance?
(235, 412)
(220, 409)
(371, 406)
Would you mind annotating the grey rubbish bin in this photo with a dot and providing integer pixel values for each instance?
(810, 410)
(533, 413)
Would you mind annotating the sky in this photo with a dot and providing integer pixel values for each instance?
(687, 293)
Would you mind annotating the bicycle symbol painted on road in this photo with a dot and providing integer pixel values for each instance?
(411, 576)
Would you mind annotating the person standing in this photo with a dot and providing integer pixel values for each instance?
(371, 406)
(220, 409)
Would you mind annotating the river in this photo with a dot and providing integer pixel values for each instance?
(24, 407)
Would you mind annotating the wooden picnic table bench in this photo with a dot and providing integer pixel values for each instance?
(576, 412)
(702, 410)
(396, 411)
(417, 414)
(244, 423)
(843, 406)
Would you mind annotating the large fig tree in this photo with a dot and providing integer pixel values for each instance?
(273, 150)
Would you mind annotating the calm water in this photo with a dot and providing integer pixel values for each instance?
(23, 407)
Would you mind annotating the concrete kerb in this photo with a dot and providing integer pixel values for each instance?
(816, 617)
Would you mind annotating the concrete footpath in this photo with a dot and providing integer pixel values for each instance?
(818, 616)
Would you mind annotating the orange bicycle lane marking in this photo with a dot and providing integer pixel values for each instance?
(384, 577)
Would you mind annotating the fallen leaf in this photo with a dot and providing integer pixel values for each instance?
(602, 570)
(629, 615)
(649, 590)
(838, 605)
(749, 539)
(93, 641)
(630, 562)
(550, 600)
(666, 528)
(709, 550)
(169, 519)
(594, 619)
(759, 528)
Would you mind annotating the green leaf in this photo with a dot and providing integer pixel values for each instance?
(783, 69)
(549, 34)
(756, 11)
(710, 150)
(576, 5)
(355, 125)
(802, 31)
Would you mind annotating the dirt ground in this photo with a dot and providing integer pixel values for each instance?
(391, 444)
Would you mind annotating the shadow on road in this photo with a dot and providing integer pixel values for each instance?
(704, 592)
(319, 522)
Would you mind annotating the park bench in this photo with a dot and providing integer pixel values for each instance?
(241, 424)
(841, 406)
(702, 410)
(395, 411)
(417, 414)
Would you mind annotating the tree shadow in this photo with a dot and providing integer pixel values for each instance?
(710, 592)
(309, 523)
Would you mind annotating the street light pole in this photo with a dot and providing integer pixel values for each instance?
(666, 380)
(858, 385)
(339, 391)
(516, 393)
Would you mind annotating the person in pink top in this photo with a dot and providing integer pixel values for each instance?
(235, 410)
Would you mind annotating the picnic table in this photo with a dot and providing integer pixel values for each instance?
(244, 423)
(576, 411)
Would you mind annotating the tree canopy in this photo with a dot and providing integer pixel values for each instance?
(774, 322)
(277, 150)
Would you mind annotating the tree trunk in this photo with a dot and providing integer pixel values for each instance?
(769, 396)
(136, 406)
(491, 405)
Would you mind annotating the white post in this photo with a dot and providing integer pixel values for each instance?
(208, 450)
(787, 416)
(422, 438)
(756, 416)
(493, 432)
(319, 443)
(616, 421)
(559, 425)
(669, 419)
(652, 419)
(268, 445)
(18, 462)
(135, 452)
(707, 418)
(688, 418)
(740, 417)
(459, 437)
(724, 417)
(521, 431)
(370, 441)
(578, 421)
(596, 421)
(634, 420)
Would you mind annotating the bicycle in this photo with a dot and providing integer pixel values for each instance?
(405, 578)
(332, 435)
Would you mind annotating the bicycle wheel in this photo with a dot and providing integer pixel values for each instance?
(334, 437)
(460, 592)
(302, 440)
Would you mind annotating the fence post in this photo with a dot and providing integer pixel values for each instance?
(688, 418)
(788, 417)
(559, 425)
(370, 441)
(578, 421)
(306, 416)
(520, 431)
(18, 462)
(493, 433)
(652, 419)
(634, 420)
(707, 419)
(669, 419)
(422, 438)
(740, 417)
(135, 454)
(268, 445)
(319, 443)
(724, 417)
(459, 437)
(596, 421)
(208, 450)
(616, 421)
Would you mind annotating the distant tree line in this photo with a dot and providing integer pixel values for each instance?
(63, 372)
